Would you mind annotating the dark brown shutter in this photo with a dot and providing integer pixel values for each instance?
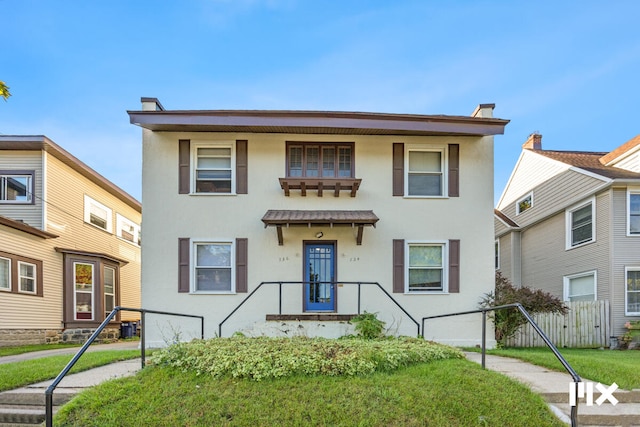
(398, 169)
(398, 266)
(241, 265)
(454, 266)
(454, 170)
(241, 167)
(184, 167)
(183, 264)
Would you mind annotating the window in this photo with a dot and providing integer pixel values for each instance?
(213, 171)
(580, 224)
(425, 172)
(16, 186)
(632, 294)
(109, 282)
(524, 203)
(127, 230)
(633, 208)
(426, 271)
(213, 168)
(27, 277)
(320, 160)
(580, 287)
(97, 214)
(5, 274)
(83, 291)
(213, 272)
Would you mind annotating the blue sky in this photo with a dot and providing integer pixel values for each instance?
(567, 69)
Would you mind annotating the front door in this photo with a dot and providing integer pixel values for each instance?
(319, 275)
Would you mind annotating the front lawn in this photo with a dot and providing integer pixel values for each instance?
(432, 386)
(11, 351)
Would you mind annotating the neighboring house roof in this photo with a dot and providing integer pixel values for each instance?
(508, 221)
(315, 122)
(21, 226)
(623, 149)
(40, 142)
(589, 161)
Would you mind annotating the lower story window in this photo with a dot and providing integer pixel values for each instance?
(84, 287)
(213, 263)
(27, 277)
(5, 274)
(580, 287)
(426, 267)
(632, 294)
(20, 275)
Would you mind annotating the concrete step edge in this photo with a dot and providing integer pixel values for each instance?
(623, 396)
(22, 398)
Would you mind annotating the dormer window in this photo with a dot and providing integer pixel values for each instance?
(525, 203)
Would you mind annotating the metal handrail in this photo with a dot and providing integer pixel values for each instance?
(552, 347)
(280, 283)
(49, 391)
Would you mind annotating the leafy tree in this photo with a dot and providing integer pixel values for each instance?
(507, 321)
(4, 90)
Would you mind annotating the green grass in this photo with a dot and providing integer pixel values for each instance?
(11, 351)
(451, 392)
(18, 374)
(604, 366)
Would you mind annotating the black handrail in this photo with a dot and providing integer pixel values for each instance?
(304, 283)
(552, 347)
(49, 391)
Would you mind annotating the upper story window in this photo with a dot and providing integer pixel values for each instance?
(426, 272)
(633, 212)
(425, 172)
(580, 224)
(127, 230)
(525, 203)
(213, 168)
(320, 160)
(97, 214)
(580, 287)
(16, 186)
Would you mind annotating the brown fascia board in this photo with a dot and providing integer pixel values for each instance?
(40, 142)
(77, 252)
(315, 122)
(21, 226)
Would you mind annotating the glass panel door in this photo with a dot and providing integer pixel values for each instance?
(319, 276)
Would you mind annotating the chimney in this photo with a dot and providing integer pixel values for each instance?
(484, 110)
(151, 104)
(534, 142)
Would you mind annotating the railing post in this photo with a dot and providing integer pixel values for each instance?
(142, 338)
(359, 287)
(484, 337)
(280, 298)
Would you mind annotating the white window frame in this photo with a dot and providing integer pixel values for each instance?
(568, 223)
(8, 288)
(106, 294)
(34, 278)
(444, 162)
(121, 223)
(88, 202)
(29, 189)
(626, 292)
(634, 191)
(445, 266)
(194, 164)
(522, 199)
(567, 281)
(194, 265)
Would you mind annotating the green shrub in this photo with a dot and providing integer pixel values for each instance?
(368, 325)
(507, 321)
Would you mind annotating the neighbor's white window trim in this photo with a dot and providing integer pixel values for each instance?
(626, 292)
(630, 191)
(193, 265)
(566, 280)
(528, 195)
(88, 201)
(123, 220)
(34, 278)
(568, 216)
(194, 163)
(445, 266)
(444, 165)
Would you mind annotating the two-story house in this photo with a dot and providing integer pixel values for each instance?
(69, 245)
(568, 222)
(322, 205)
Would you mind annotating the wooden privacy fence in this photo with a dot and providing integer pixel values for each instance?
(585, 325)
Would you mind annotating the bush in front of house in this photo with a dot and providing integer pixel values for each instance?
(507, 321)
(263, 357)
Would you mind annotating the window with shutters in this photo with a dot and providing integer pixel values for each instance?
(213, 171)
(426, 170)
(425, 267)
(213, 267)
(580, 224)
(97, 214)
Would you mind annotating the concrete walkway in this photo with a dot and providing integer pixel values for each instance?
(121, 345)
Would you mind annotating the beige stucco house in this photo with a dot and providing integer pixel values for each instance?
(314, 203)
(568, 222)
(69, 245)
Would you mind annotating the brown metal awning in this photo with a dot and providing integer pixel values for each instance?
(280, 218)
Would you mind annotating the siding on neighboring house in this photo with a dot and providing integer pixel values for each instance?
(631, 162)
(31, 214)
(547, 260)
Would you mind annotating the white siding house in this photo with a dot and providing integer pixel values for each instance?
(324, 206)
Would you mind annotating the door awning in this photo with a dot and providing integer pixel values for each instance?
(287, 218)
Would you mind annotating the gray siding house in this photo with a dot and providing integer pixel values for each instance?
(568, 222)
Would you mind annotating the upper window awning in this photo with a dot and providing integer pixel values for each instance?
(280, 218)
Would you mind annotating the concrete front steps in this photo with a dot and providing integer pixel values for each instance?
(626, 413)
(25, 407)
